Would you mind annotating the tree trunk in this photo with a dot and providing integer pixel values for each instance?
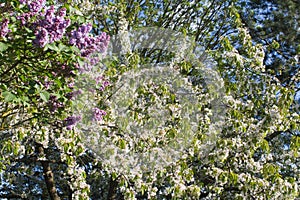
(48, 176)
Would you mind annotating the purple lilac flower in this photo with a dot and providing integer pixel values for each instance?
(48, 16)
(88, 44)
(36, 6)
(55, 25)
(94, 60)
(98, 114)
(62, 12)
(48, 84)
(71, 85)
(54, 104)
(71, 121)
(98, 79)
(42, 37)
(104, 85)
(25, 17)
(74, 94)
(4, 28)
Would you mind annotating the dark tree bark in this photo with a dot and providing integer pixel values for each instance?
(48, 176)
(112, 193)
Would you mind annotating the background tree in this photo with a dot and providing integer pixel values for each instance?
(219, 26)
(276, 24)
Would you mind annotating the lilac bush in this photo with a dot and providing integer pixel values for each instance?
(49, 26)
(38, 68)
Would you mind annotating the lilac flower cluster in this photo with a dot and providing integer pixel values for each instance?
(102, 82)
(48, 84)
(4, 28)
(89, 65)
(25, 17)
(54, 104)
(45, 82)
(63, 69)
(74, 94)
(35, 6)
(98, 114)
(88, 44)
(42, 37)
(71, 121)
(52, 27)
(104, 85)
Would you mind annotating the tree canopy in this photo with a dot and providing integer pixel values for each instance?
(149, 99)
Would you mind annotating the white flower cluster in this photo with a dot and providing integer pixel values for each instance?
(77, 181)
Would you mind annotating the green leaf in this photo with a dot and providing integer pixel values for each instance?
(122, 144)
(275, 44)
(265, 145)
(3, 46)
(78, 151)
(63, 47)
(172, 98)
(171, 133)
(75, 49)
(8, 96)
(80, 61)
(53, 47)
(66, 147)
(233, 177)
(28, 30)
(45, 95)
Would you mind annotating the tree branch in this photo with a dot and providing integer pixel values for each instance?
(275, 134)
(11, 195)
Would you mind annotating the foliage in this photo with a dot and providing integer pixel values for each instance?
(60, 106)
(276, 25)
